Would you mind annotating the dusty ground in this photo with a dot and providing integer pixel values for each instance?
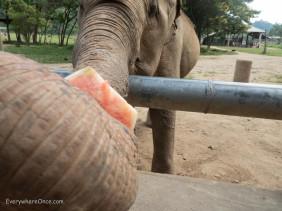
(224, 148)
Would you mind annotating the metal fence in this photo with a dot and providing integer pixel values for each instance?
(215, 97)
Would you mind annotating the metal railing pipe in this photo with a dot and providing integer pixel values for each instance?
(215, 97)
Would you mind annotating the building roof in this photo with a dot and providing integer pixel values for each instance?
(275, 37)
(3, 17)
(253, 29)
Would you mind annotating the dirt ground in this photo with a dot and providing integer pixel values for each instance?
(224, 148)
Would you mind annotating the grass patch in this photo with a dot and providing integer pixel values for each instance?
(55, 39)
(47, 54)
(276, 46)
(51, 39)
(189, 77)
(277, 79)
(215, 52)
(270, 51)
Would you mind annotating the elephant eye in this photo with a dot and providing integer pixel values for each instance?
(81, 8)
(153, 10)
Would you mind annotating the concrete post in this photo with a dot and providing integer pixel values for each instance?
(242, 71)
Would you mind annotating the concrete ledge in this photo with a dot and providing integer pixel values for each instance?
(159, 192)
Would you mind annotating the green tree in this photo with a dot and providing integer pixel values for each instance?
(5, 5)
(25, 17)
(34, 19)
(225, 16)
(41, 21)
(47, 10)
(276, 31)
(65, 17)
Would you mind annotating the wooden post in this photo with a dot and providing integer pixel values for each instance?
(1, 43)
(242, 71)
(148, 121)
(265, 44)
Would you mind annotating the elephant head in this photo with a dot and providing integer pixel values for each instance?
(123, 37)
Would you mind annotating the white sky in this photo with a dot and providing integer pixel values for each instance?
(271, 10)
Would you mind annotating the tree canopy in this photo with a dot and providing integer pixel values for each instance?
(276, 30)
(31, 18)
(226, 16)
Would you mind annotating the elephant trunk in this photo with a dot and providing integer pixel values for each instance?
(57, 143)
(107, 42)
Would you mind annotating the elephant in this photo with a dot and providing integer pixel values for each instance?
(59, 150)
(139, 37)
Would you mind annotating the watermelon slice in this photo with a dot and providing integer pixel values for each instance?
(89, 81)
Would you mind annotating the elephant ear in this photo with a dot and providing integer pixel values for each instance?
(178, 8)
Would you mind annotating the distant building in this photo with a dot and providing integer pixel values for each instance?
(275, 40)
(5, 21)
(252, 37)
(3, 18)
(3, 30)
(3, 33)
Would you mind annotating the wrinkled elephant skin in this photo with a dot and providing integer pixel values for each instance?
(57, 143)
(142, 37)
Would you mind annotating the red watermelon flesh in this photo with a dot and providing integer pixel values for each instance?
(89, 81)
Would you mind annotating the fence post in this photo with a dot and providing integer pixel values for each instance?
(1, 43)
(265, 43)
(242, 71)
(148, 121)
